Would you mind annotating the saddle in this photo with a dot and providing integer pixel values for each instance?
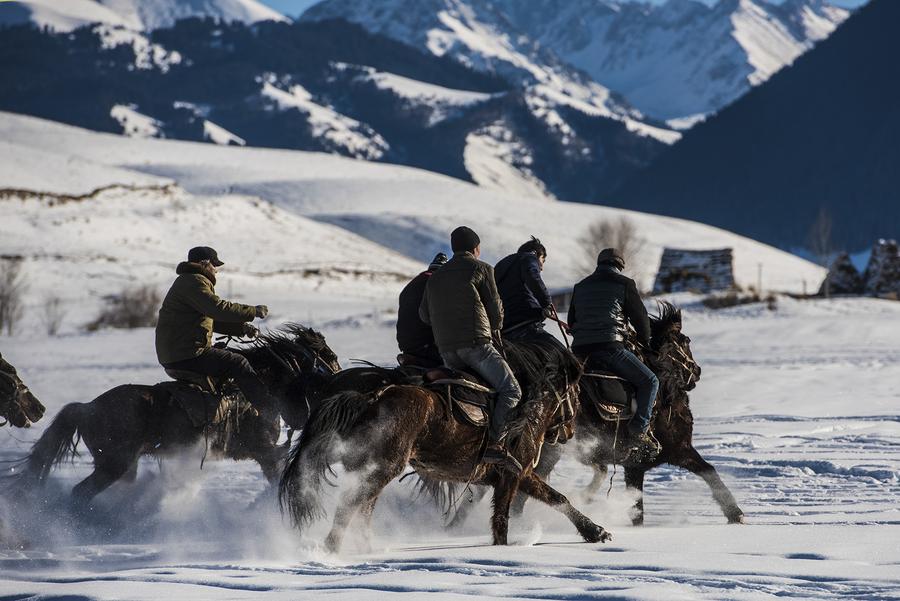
(611, 396)
(466, 398)
(206, 402)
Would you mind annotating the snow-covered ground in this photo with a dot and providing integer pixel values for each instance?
(797, 407)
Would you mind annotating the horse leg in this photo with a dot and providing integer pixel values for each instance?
(104, 475)
(504, 491)
(533, 486)
(634, 480)
(352, 501)
(694, 463)
(550, 456)
(466, 507)
(365, 516)
(593, 487)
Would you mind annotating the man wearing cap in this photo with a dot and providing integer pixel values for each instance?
(414, 336)
(189, 315)
(603, 304)
(463, 306)
(526, 301)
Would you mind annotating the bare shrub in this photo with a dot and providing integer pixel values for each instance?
(131, 308)
(735, 298)
(12, 291)
(54, 312)
(621, 234)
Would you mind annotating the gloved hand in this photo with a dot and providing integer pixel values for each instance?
(250, 331)
(262, 311)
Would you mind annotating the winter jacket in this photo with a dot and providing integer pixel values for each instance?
(602, 305)
(462, 304)
(521, 288)
(413, 333)
(191, 312)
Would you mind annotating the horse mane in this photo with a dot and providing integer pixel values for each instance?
(542, 367)
(286, 347)
(660, 325)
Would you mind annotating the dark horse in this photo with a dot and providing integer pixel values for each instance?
(18, 406)
(377, 434)
(671, 359)
(132, 420)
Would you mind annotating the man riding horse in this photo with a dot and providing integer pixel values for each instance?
(414, 336)
(463, 307)
(526, 301)
(603, 304)
(191, 312)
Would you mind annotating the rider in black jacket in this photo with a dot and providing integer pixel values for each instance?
(414, 336)
(602, 306)
(526, 301)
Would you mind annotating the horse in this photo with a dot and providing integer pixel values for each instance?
(377, 434)
(18, 406)
(131, 420)
(670, 357)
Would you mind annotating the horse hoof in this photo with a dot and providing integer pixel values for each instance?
(736, 519)
(596, 534)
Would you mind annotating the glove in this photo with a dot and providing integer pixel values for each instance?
(549, 311)
(250, 331)
(262, 311)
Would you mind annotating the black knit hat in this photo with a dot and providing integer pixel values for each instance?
(611, 256)
(439, 260)
(204, 253)
(464, 239)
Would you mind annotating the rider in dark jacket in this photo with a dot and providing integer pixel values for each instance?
(602, 306)
(414, 336)
(526, 301)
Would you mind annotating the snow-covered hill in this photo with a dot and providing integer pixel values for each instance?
(406, 210)
(65, 15)
(671, 60)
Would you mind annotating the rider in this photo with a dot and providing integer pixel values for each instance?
(463, 307)
(526, 302)
(414, 337)
(606, 302)
(189, 315)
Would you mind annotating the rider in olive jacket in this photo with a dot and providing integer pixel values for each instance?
(191, 312)
(463, 306)
(602, 306)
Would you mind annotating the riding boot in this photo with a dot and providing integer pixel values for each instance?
(641, 446)
(497, 454)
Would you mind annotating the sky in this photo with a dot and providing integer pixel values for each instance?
(295, 7)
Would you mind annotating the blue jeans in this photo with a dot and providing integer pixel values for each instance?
(625, 364)
(485, 361)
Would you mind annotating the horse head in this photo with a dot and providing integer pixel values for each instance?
(293, 361)
(675, 362)
(19, 407)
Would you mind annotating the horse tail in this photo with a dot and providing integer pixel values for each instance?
(55, 445)
(309, 463)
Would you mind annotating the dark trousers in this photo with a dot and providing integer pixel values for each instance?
(222, 364)
(427, 355)
(625, 364)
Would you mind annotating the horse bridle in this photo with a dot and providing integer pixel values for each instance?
(688, 364)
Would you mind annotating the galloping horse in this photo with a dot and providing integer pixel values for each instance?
(383, 431)
(132, 420)
(671, 359)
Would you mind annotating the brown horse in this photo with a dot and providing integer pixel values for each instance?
(133, 420)
(671, 359)
(18, 406)
(376, 435)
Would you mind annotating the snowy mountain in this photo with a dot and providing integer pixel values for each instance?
(327, 86)
(820, 135)
(675, 60)
(146, 15)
